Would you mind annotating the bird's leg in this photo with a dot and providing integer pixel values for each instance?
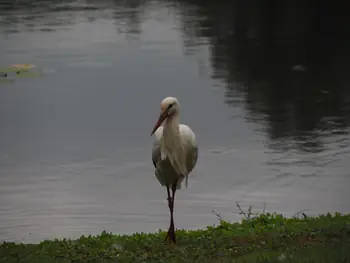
(171, 232)
(170, 209)
(172, 225)
(169, 198)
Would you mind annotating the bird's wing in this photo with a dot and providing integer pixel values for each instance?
(156, 154)
(190, 144)
(192, 158)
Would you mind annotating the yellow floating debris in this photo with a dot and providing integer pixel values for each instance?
(22, 66)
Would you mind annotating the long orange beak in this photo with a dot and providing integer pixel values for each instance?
(162, 116)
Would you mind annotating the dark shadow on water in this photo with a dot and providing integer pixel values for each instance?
(288, 60)
(21, 15)
(127, 16)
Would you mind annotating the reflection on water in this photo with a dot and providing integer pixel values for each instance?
(74, 144)
(289, 64)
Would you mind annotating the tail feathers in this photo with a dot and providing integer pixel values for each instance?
(179, 182)
(186, 180)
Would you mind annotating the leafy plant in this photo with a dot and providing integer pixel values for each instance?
(262, 237)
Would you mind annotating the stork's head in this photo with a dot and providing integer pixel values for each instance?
(168, 107)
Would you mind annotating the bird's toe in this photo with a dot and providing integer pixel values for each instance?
(170, 237)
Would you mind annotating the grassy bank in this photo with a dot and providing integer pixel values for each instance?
(265, 238)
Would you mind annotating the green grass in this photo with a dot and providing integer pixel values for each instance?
(264, 238)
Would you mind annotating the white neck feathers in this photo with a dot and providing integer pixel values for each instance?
(172, 146)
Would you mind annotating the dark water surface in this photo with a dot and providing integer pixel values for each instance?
(265, 90)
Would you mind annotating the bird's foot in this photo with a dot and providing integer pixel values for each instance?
(170, 237)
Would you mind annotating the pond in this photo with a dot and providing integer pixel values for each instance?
(270, 106)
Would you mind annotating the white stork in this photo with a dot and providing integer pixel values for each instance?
(174, 153)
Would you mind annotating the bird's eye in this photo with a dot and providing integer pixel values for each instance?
(170, 105)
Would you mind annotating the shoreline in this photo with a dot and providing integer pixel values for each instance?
(262, 238)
